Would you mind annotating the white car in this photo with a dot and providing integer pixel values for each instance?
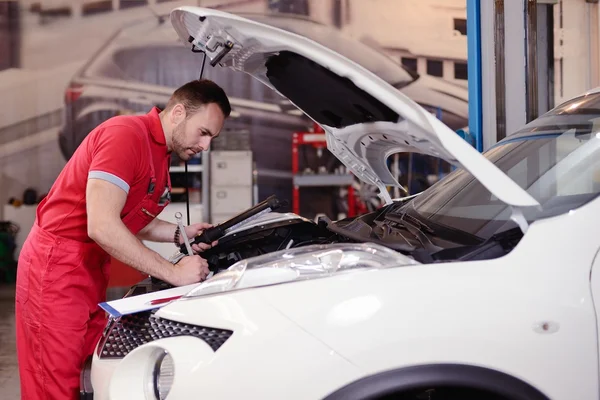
(484, 286)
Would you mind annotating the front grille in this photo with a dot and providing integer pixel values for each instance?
(130, 331)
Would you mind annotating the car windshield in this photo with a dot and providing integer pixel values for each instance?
(367, 55)
(555, 158)
(150, 52)
(147, 52)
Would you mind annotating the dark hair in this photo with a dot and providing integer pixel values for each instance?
(197, 93)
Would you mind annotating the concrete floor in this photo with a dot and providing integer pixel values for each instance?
(9, 372)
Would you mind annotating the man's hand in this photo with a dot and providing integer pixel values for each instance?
(194, 230)
(162, 231)
(190, 269)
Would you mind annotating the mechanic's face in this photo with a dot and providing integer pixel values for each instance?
(193, 135)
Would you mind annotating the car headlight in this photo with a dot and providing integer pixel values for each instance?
(310, 262)
(163, 375)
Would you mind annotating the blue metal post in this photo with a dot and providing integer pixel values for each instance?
(474, 71)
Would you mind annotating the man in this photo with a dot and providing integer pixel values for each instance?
(103, 203)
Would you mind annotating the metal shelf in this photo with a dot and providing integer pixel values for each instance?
(323, 180)
(191, 168)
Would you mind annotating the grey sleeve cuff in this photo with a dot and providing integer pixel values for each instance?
(107, 176)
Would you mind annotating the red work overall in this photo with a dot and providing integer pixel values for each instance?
(59, 285)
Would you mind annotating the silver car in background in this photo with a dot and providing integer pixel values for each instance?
(141, 65)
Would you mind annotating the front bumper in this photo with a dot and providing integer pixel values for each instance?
(86, 391)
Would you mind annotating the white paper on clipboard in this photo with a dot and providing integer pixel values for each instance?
(144, 302)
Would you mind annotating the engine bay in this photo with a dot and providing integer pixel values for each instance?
(261, 230)
(389, 226)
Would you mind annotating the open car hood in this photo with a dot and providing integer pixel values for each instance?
(365, 119)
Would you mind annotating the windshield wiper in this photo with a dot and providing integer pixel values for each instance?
(495, 246)
(437, 229)
(350, 233)
(416, 229)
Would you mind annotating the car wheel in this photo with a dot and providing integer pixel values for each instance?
(65, 149)
(444, 393)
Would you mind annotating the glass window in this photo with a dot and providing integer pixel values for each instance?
(132, 3)
(289, 6)
(435, 68)
(369, 55)
(460, 24)
(460, 71)
(410, 63)
(170, 66)
(158, 65)
(556, 158)
(156, 47)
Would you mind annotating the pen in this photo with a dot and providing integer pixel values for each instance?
(161, 301)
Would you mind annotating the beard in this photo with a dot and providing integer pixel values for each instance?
(179, 146)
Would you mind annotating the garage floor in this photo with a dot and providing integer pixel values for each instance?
(9, 372)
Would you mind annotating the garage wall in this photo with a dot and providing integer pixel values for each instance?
(31, 113)
(576, 47)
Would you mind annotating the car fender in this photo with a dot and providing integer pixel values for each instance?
(508, 314)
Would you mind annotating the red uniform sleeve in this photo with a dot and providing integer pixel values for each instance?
(116, 154)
